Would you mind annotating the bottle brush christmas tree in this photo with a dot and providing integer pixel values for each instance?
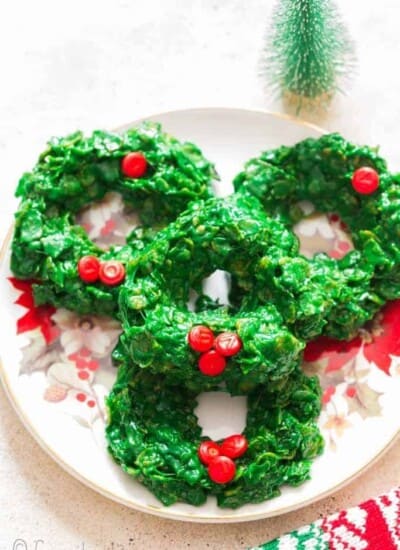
(308, 53)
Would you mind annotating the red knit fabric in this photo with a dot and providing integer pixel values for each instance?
(374, 525)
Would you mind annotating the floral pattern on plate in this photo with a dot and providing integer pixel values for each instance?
(108, 221)
(74, 353)
(356, 375)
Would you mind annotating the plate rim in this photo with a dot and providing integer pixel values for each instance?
(162, 511)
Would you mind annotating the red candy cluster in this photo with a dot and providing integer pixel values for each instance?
(219, 458)
(214, 350)
(110, 272)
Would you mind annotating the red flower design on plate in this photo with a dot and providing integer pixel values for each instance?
(36, 316)
(384, 338)
(338, 352)
(379, 340)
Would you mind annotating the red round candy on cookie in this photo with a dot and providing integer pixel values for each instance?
(234, 446)
(222, 469)
(212, 363)
(88, 269)
(201, 338)
(208, 451)
(112, 272)
(228, 344)
(134, 165)
(365, 180)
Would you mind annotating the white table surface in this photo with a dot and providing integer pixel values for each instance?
(97, 63)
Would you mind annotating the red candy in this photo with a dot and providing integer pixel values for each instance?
(88, 269)
(134, 165)
(222, 469)
(201, 338)
(228, 344)
(208, 451)
(212, 363)
(365, 180)
(111, 272)
(234, 446)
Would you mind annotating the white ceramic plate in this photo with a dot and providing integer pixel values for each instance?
(58, 369)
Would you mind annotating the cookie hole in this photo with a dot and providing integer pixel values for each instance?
(217, 286)
(215, 291)
(323, 233)
(107, 222)
(230, 411)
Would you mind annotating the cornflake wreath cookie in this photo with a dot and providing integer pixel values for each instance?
(253, 345)
(154, 435)
(352, 181)
(156, 175)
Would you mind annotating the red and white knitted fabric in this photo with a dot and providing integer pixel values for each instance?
(373, 525)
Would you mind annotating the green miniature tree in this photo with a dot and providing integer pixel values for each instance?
(308, 51)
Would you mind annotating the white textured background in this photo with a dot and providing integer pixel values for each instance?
(97, 63)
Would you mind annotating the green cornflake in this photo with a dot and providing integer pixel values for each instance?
(308, 50)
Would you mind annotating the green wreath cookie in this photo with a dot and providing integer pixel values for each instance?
(154, 435)
(337, 176)
(231, 234)
(155, 173)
